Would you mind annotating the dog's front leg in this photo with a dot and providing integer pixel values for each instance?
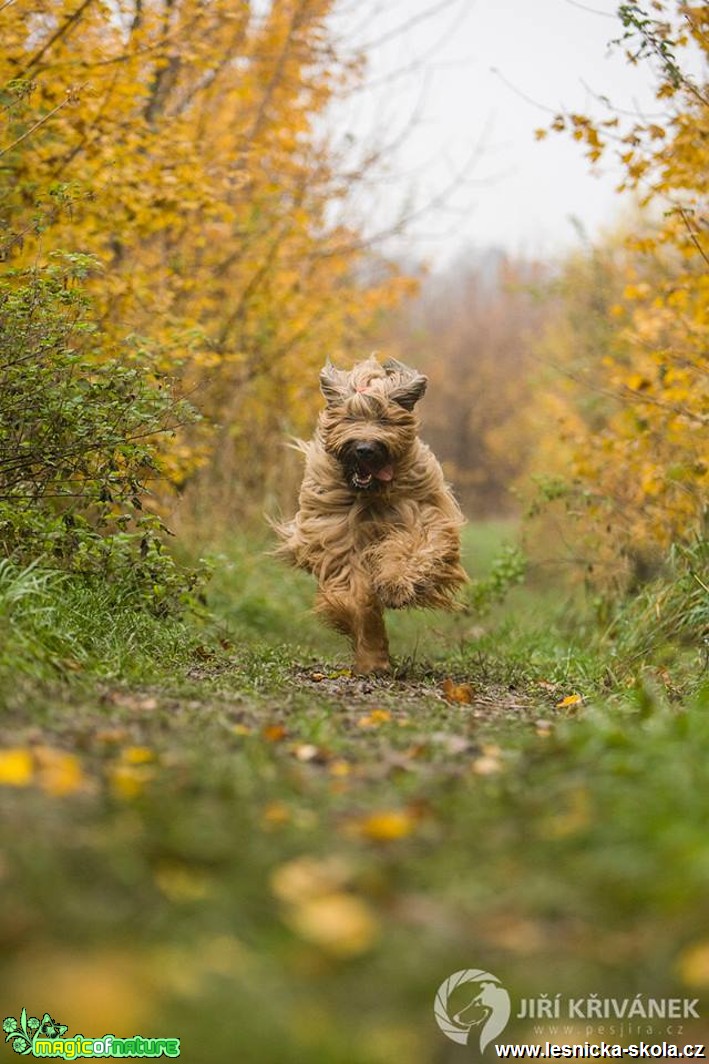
(358, 614)
(369, 639)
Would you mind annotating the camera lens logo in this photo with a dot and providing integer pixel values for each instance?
(487, 1008)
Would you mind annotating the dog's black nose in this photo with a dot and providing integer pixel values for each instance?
(366, 452)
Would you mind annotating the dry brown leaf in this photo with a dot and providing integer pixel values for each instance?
(274, 733)
(460, 693)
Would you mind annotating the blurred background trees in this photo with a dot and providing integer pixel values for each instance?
(184, 151)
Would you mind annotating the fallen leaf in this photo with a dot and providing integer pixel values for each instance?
(58, 772)
(16, 767)
(308, 877)
(570, 700)
(138, 755)
(374, 719)
(460, 693)
(386, 825)
(693, 964)
(273, 733)
(341, 924)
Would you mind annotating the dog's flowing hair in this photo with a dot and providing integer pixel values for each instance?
(377, 525)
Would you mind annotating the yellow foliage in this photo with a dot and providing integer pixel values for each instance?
(181, 144)
(633, 336)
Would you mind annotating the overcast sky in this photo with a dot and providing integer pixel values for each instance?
(477, 78)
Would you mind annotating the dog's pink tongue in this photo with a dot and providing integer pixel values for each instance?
(385, 473)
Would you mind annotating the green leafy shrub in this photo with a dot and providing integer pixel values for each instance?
(507, 570)
(79, 432)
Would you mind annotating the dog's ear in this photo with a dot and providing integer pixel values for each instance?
(333, 383)
(410, 386)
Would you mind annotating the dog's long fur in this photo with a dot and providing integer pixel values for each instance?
(381, 531)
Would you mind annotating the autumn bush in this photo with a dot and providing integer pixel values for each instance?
(625, 392)
(184, 146)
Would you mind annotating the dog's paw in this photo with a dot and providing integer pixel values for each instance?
(372, 664)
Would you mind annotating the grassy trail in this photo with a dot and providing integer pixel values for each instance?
(237, 843)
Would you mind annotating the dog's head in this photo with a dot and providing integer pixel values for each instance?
(369, 424)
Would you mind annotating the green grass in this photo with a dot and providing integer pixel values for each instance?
(53, 624)
(245, 846)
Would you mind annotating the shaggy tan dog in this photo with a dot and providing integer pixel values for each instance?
(377, 525)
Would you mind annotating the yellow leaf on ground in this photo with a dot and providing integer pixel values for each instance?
(374, 719)
(58, 772)
(16, 768)
(309, 877)
(570, 700)
(386, 825)
(693, 964)
(138, 755)
(462, 693)
(341, 924)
